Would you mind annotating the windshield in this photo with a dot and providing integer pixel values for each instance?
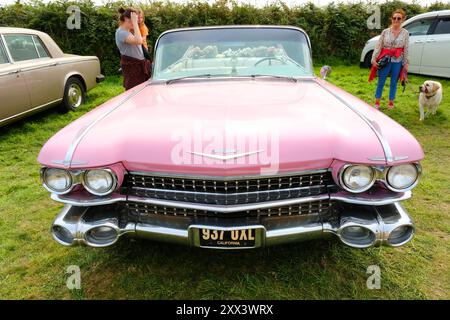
(232, 52)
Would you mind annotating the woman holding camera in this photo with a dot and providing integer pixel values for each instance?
(390, 57)
(135, 68)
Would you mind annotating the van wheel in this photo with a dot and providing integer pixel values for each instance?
(74, 94)
(367, 60)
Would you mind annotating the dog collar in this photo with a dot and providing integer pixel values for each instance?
(431, 96)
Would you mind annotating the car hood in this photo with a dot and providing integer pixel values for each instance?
(229, 127)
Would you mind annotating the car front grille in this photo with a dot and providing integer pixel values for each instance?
(144, 211)
(228, 191)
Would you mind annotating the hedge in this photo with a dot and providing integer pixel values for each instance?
(337, 31)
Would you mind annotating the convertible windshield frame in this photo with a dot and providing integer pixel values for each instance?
(232, 27)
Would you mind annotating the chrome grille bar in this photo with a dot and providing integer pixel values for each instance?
(148, 210)
(228, 191)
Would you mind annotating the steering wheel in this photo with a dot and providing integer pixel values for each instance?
(270, 60)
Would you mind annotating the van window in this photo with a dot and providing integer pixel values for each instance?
(419, 28)
(443, 26)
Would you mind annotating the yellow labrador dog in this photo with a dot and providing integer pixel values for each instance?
(430, 97)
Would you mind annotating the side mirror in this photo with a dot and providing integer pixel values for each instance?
(325, 71)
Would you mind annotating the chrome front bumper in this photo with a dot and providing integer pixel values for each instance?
(383, 222)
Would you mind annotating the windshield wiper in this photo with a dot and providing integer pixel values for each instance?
(205, 75)
(254, 76)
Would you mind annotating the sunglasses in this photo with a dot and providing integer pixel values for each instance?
(396, 18)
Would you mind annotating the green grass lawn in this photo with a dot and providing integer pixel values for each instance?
(33, 266)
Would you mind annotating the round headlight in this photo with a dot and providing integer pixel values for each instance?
(357, 178)
(402, 177)
(99, 181)
(57, 180)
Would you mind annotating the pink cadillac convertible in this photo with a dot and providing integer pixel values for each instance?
(233, 143)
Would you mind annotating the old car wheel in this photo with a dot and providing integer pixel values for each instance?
(74, 94)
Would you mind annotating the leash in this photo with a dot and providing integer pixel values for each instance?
(406, 81)
(410, 86)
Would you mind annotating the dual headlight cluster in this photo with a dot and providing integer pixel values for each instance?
(99, 182)
(359, 178)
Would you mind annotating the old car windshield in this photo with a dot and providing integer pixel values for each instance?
(232, 52)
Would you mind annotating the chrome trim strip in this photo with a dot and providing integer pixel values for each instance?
(372, 124)
(346, 198)
(64, 163)
(33, 68)
(383, 159)
(31, 110)
(89, 202)
(226, 208)
(396, 158)
(156, 232)
(35, 47)
(26, 69)
(229, 194)
(354, 199)
(75, 61)
(8, 61)
(225, 178)
(7, 73)
(83, 133)
(8, 53)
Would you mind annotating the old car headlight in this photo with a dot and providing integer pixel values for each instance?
(57, 180)
(99, 181)
(402, 177)
(357, 178)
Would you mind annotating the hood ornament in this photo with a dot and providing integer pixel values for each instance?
(225, 154)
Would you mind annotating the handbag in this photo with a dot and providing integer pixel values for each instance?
(384, 61)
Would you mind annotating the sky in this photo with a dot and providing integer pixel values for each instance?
(259, 3)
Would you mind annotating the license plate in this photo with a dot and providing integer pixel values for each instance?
(228, 238)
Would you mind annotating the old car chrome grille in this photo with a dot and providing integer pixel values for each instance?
(228, 191)
(147, 210)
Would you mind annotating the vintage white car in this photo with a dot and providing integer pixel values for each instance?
(35, 74)
(429, 44)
